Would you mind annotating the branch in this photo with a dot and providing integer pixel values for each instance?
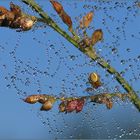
(88, 51)
(71, 104)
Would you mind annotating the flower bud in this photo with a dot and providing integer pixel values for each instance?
(15, 9)
(48, 104)
(32, 99)
(109, 104)
(26, 23)
(66, 19)
(10, 16)
(96, 36)
(62, 106)
(64, 16)
(86, 20)
(57, 6)
(3, 10)
(94, 80)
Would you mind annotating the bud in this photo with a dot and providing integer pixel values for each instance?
(43, 98)
(48, 104)
(64, 16)
(86, 20)
(57, 6)
(66, 19)
(2, 17)
(94, 80)
(97, 36)
(32, 99)
(3, 10)
(62, 106)
(10, 16)
(26, 23)
(15, 9)
(109, 103)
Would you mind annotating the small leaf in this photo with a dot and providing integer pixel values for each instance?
(97, 36)
(86, 20)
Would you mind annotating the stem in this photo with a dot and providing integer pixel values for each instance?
(108, 95)
(88, 51)
(92, 97)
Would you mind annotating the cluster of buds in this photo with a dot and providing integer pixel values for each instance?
(46, 101)
(68, 106)
(102, 99)
(73, 104)
(60, 10)
(14, 18)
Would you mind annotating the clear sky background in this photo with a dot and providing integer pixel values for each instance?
(41, 61)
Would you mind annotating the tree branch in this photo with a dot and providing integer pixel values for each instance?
(70, 104)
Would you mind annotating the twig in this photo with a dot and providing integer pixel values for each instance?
(88, 51)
